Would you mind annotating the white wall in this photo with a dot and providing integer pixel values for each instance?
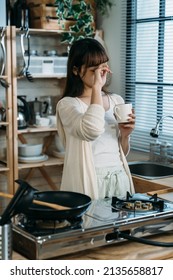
(111, 26)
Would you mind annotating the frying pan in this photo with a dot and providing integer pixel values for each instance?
(77, 202)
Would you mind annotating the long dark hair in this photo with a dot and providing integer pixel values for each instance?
(88, 52)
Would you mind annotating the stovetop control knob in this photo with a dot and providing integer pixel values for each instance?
(92, 241)
(97, 240)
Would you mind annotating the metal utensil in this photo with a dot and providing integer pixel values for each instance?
(3, 82)
(28, 74)
(2, 41)
(25, 70)
(6, 242)
(22, 72)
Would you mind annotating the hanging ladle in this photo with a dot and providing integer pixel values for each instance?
(3, 81)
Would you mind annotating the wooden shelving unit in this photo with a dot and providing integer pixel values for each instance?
(22, 135)
(6, 133)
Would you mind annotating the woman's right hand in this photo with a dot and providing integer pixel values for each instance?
(101, 74)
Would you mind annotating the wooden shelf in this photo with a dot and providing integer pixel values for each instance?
(3, 166)
(4, 123)
(50, 162)
(36, 130)
(41, 76)
(4, 169)
(43, 32)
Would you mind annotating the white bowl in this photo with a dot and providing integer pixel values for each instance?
(52, 119)
(30, 150)
(42, 121)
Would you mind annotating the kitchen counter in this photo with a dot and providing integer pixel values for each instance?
(123, 251)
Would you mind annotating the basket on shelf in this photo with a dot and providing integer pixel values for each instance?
(43, 15)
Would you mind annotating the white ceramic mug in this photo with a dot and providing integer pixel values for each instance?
(42, 121)
(122, 112)
(52, 119)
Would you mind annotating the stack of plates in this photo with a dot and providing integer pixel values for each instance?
(33, 159)
(58, 154)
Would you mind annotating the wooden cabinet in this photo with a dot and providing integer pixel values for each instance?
(6, 118)
(44, 84)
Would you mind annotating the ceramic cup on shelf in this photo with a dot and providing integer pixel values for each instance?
(42, 121)
(52, 119)
(122, 112)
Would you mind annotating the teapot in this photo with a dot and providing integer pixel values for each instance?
(23, 113)
(35, 108)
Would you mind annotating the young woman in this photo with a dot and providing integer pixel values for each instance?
(95, 145)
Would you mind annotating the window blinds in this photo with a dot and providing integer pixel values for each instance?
(147, 67)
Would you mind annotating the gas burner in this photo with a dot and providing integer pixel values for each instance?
(138, 205)
(48, 224)
(40, 227)
(143, 205)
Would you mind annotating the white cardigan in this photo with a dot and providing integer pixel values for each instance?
(77, 127)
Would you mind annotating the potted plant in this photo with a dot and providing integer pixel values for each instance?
(80, 14)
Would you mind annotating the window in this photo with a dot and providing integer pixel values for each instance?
(148, 60)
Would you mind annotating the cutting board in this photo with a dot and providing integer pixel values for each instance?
(164, 194)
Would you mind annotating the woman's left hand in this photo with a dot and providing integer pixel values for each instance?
(125, 131)
(127, 128)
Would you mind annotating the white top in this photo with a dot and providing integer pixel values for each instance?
(78, 126)
(106, 147)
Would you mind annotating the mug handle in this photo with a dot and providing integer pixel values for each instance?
(116, 113)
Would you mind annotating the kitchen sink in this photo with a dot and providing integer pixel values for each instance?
(150, 170)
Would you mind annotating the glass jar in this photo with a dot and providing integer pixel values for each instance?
(164, 151)
(154, 150)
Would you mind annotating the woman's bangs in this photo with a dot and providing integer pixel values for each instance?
(95, 59)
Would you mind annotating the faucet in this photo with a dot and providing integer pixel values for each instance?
(155, 131)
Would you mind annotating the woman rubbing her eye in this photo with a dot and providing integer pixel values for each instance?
(95, 144)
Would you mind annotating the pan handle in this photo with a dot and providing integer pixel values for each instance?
(13, 206)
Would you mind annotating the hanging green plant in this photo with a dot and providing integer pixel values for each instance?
(80, 13)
